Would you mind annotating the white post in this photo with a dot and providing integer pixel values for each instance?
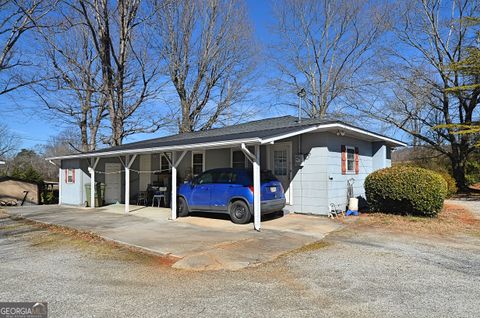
(127, 185)
(174, 192)
(174, 163)
(60, 178)
(92, 187)
(92, 182)
(257, 204)
(128, 165)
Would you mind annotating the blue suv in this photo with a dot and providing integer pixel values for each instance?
(230, 190)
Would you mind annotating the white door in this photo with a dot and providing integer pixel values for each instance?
(281, 165)
(113, 183)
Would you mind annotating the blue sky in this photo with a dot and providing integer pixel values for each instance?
(21, 113)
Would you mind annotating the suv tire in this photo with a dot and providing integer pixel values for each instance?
(239, 212)
(182, 207)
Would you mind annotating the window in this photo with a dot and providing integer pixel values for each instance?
(238, 159)
(280, 163)
(197, 163)
(223, 176)
(350, 159)
(164, 163)
(70, 176)
(205, 178)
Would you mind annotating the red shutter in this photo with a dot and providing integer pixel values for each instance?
(73, 175)
(357, 159)
(344, 159)
(66, 175)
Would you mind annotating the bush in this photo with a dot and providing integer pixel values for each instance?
(451, 183)
(406, 190)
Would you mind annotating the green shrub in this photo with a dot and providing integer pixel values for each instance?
(451, 183)
(406, 190)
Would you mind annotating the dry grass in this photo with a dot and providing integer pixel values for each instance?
(453, 219)
(54, 236)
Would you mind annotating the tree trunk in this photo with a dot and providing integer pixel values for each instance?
(458, 169)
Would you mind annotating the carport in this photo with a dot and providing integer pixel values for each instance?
(128, 156)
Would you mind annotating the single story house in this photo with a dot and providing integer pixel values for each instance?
(314, 159)
(19, 190)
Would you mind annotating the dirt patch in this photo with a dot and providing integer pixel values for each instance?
(55, 236)
(453, 219)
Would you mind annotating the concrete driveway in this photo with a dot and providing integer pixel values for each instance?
(200, 242)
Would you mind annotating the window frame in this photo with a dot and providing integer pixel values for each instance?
(232, 150)
(68, 175)
(348, 171)
(168, 155)
(203, 162)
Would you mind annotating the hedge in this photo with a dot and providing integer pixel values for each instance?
(406, 190)
(451, 183)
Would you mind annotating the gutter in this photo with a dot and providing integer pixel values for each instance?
(160, 149)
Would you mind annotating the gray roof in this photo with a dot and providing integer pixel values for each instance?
(262, 129)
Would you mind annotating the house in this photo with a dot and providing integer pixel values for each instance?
(313, 158)
(12, 189)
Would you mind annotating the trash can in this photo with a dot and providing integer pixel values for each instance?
(99, 194)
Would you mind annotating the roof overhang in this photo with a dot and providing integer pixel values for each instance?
(216, 144)
(353, 132)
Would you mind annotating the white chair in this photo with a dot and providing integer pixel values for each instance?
(159, 196)
(334, 210)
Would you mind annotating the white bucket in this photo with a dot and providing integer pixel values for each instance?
(353, 204)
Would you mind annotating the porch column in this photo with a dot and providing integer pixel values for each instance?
(91, 169)
(60, 178)
(174, 164)
(128, 165)
(257, 204)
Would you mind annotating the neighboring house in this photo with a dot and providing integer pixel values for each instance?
(2, 162)
(314, 159)
(16, 189)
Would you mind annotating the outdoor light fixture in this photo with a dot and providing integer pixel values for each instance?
(301, 94)
(340, 132)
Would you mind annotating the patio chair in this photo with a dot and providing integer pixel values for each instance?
(142, 198)
(159, 195)
(334, 210)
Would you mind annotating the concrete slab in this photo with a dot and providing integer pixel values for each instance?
(201, 243)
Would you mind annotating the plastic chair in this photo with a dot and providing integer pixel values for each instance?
(159, 195)
(334, 211)
(142, 197)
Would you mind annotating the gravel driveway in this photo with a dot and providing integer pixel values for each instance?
(359, 273)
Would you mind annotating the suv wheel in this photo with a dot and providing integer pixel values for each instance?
(239, 212)
(182, 208)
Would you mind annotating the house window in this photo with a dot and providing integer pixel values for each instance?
(197, 163)
(70, 176)
(238, 159)
(350, 159)
(280, 163)
(165, 164)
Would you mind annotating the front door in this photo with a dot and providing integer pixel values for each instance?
(113, 183)
(281, 165)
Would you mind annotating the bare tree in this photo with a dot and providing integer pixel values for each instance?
(74, 90)
(17, 17)
(128, 75)
(8, 141)
(208, 48)
(323, 47)
(416, 97)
